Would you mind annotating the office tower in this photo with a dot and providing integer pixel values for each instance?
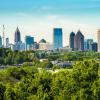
(72, 36)
(99, 40)
(0, 42)
(29, 41)
(17, 36)
(18, 43)
(79, 41)
(7, 43)
(88, 44)
(95, 47)
(57, 38)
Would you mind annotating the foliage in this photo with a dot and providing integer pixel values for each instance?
(82, 82)
(36, 80)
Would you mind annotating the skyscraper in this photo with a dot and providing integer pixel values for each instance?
(88, 44)
(95, 47)
(0, 41)
(99, 40)
(79, 41)
(57, 38)
(17, 36)
(72, 36)
(29, 41)
(7, 43)
(18, 43)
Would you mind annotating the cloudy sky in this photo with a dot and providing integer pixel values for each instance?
(38, 18)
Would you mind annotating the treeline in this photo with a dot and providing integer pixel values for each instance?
(9, 57)
(82, 82)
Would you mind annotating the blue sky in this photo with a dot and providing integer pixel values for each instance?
(53, 6)
(38, 17)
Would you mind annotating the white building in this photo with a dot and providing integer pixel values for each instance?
(66, 49)
(43, 45)
(99, 40)
(7, 43)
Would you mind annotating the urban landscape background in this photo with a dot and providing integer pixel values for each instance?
(49, 49)
(77, 42)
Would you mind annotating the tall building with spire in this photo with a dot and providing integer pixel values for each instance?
(18, 43)
(17, 36)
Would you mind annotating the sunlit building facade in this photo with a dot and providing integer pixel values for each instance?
(79, 41)
(57, 38)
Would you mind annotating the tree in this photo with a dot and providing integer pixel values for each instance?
(84, 74)
(2, 90)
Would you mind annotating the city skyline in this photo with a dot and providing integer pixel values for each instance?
(38, 18)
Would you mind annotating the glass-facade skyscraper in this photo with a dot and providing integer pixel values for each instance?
(72, 36)
(57, 38)
(88, 44)
(95, 47)
(29, 41)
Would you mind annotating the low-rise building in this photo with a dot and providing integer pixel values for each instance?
(62, 64)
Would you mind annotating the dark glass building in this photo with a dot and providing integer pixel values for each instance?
(95, 47)
(57, 38)
(17, 36)
(72, 36)
(79, 41)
